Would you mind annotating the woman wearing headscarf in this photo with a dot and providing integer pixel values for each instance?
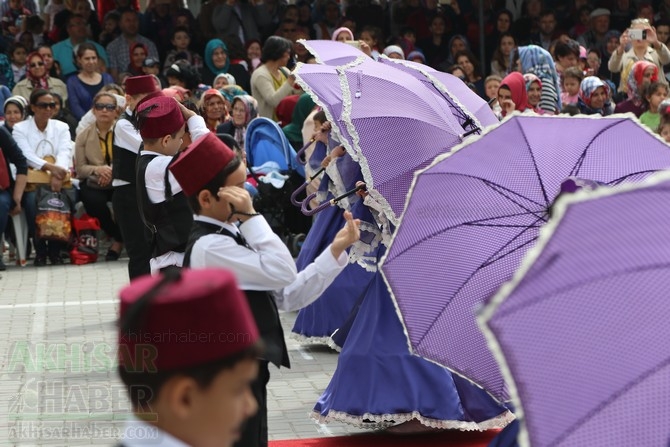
(534, 91)
(243, 110)
(536, 60)
(342, 34)
(217, 61)
(642, 73)
(37, 77)
(594, 97)
(293, 130)
(213, 109)
(512, 94)
(15, 111)
(138, 53)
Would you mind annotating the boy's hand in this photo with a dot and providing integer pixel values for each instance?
(185, 112)
(346, 236)
(239, 200)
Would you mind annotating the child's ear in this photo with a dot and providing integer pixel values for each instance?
(205, 199)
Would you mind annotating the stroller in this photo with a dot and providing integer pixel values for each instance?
(272, 162)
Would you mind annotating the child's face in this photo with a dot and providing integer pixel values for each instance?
(254, 51)
(665, 132)
(151, 70)
(367, 38)
(138, 56)
(317, 125)
(110, 25)
(571, 86)
(492, 89)
(656, 98)
(19, 57)
(647, 75)
(411, 37)
(181, 40)
(534, 94)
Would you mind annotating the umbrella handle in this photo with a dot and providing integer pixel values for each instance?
(351, 192)
(310, 212)
(301, 188)
(469, 132)
(300, 155)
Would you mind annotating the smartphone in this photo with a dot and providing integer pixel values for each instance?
(445, 2)
(354, 43)
(637, 34)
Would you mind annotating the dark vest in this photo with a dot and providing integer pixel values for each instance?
(261, 303)
(123, 160)
(169, 221)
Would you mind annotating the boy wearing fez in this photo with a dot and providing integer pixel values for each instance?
(125, 149)
(213, 176)
(188, 348)
(162, 124)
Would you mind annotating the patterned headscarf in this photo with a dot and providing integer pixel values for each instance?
(42, 82)
(251, 106)
(209, 51)
(586, 89)
(538, 61)
(529, 78)
(636, 80)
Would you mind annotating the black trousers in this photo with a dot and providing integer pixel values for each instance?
(95, 202)
(255, 433)
(136, 236)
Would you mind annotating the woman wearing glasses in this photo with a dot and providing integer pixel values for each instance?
(93, 163)
(37, 77)
(87, 83)
(38, 137)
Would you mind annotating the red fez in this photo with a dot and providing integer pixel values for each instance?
(160, 116)
(136, 85)
(200, 163)
(198, 318)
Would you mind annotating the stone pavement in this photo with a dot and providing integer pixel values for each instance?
(58, 383)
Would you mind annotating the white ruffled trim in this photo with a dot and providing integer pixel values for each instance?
(306, 340)
(439, 86)
(388, 420)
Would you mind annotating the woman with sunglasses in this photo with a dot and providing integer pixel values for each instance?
(83, 87)
(38, 137)
(37, 77)
(93, 163)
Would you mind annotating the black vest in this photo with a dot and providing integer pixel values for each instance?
(262, 304)
(169, 221)
(123, 160)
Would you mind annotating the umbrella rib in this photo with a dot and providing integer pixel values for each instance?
(483, 265)
(582, 157)
(537, 169)
(619, 393)
(502, 225)
(622, 179)
(499, 255)
(495, 187)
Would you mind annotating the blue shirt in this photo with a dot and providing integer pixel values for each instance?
(63, 53)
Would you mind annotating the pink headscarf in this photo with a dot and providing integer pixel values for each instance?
(344, 29)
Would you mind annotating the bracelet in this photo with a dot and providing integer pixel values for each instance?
(246, 214)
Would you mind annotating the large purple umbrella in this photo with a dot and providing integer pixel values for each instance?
(582, 330)
(472, 111)
(396, 127)
(473, 214)
(332, 52)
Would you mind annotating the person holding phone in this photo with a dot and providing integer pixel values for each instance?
(638, 43)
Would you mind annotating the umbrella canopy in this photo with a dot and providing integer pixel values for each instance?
(396, 127)
(582, 329)
(473, 214)
(322, 83)
(472, 111)
(332, 52)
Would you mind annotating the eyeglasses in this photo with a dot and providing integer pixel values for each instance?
(37, 64)
(46, 105)
(101, 106)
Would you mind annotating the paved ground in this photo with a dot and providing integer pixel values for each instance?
(58, 384)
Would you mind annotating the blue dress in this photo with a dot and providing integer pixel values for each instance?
(318, 321)
(378, 382)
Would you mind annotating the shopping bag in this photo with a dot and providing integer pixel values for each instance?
(85, 249)
(54, 215)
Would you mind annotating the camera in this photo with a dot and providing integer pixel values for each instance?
(354, 43)
(637, 34)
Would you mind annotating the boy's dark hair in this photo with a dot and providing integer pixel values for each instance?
(184, 72)
(15, 46)
(320, 116)
(179, 29)
(406, 30)
(651, 88)
(573, 72)
(144, 387)
(563, 49)
(215, 183)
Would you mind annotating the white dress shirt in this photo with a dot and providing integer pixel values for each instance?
(137, 433)
(268, 265)
(36, 144)
(154, 178)
(128, 138)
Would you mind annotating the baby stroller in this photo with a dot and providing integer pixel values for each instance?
(272, 161)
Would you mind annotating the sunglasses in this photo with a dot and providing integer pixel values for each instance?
(100, 106)
(46, 105)
(37, 64)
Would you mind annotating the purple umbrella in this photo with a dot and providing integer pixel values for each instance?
(472, 111)
(396, 127)
(582, 329)
(332, 52)
(473, 214)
